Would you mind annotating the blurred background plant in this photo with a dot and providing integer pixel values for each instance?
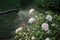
(42, 4)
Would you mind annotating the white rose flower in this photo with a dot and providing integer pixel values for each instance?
(45, 26)
(47, 39)
(18, 30)
(31, 20)
(49, 17)
(33, 38)
(31, 11)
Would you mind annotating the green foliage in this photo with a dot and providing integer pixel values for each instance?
(34, 29)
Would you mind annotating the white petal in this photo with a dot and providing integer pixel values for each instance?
(33, 38)
(45, 26)
(49, 17)
(31, 11)
(47, 39)
(31, 20)
(19, 29)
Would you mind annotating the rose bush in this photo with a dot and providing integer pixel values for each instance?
(45, 26)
